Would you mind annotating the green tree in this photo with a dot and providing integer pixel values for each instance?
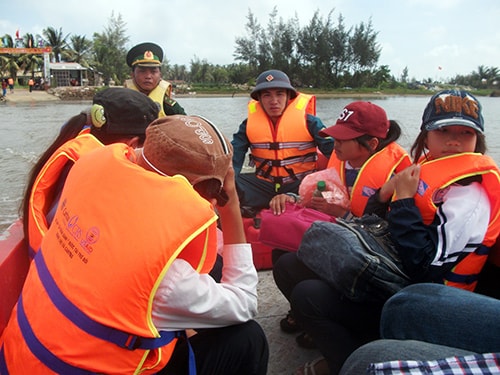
(55, 39)
(240, 74)
(30, 63)
(200, 71)
(80, 50)
(314, 51)
(282, 41)
(365, 51)
(246, 48)
(177, 72)
(109, 54)
(8, 62)
(404, 75)
(339, 44)
(7, 41)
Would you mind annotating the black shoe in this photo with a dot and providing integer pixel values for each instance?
(305, 341)
(288, 324)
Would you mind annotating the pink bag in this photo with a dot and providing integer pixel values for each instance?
(285, 231)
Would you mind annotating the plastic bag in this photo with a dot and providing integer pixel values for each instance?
(335, 193)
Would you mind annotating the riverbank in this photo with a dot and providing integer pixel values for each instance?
(22, 95)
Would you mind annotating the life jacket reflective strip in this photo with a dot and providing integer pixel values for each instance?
(375, 172)
(164, 88)
(43, 190)
(90, 236)
(438, 174)
(285, 152)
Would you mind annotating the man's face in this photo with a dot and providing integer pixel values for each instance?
(146, 78)
(274, 102)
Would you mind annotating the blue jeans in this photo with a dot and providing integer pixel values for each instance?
(443, 315)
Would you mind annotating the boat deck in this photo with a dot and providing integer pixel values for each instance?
(285, 356)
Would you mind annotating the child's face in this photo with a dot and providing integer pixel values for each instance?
(351, 151)
(450, 140)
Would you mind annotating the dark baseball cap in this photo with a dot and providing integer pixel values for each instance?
(453, 107)
(120, 110)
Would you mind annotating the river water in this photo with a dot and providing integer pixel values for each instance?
(26, 129)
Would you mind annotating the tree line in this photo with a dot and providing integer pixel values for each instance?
(324, 54)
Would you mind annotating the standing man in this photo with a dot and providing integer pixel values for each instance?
(145, 60)
(282, 133)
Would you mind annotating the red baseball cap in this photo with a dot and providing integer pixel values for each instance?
(357, 119)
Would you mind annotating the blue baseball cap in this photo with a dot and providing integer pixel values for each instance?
(453, 107)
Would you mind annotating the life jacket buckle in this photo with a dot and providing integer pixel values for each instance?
(131, 343)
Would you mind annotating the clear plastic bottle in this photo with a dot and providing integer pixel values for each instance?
(320, 188)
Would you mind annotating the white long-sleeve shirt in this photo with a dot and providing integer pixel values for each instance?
(186, 299)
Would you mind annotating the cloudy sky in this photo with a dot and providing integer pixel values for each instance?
(433, 38)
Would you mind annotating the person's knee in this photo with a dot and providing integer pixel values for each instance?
(255, 346)
(311, 298)
(287, 271)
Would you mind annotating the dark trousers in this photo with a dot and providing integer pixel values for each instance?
(237, 349)
(337, 325)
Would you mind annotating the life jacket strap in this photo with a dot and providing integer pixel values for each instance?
(3, 365)
(461, 279)
(283, 145)
(80, 319)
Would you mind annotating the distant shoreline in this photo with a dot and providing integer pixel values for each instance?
(67, 94)
(24, 96)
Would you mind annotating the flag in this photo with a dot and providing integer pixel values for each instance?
(17, 33)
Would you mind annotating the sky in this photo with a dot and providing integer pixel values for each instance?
(435, 39)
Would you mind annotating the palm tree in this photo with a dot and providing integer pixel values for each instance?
(80, 49)
(7, 41)
(8, 62)
(29, 62)
(56, 40)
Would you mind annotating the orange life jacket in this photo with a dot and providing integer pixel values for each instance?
(440, 173)
(375, 172)
(87, 301)
(44, 189)
(164, 88)
(286, 152)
